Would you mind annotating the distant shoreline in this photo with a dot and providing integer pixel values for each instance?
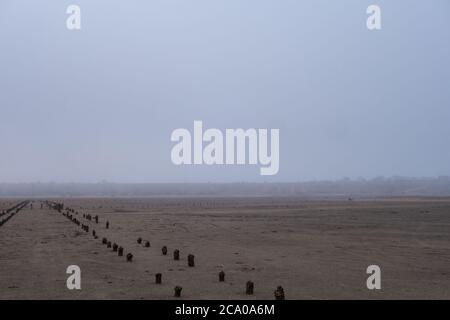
(346, 188)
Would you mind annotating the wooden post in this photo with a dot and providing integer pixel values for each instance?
(109, 244)
(147, 244)
(249, 288)
(120, 252)
(191, 258)
(158, 278)
(164, 250)
(279, 293)
(177, 290)
(115, 247)
(129, 257)
(176, 255)
(139, 240)
(104, 241)
(221, 276)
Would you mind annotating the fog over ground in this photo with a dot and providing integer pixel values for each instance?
(101, 103)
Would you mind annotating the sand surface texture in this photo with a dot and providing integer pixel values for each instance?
(314, 249)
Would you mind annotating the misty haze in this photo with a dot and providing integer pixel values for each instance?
(322, 170)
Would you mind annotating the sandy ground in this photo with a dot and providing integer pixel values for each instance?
(314, 249)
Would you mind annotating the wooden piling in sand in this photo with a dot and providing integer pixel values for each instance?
(177, 290)
(249, 287)
(115, 247)
(139, 240)
(109, 244)
(191, 262)
(164, 250)
(176, 255)
(158, 278)
(221, 276)
(129, 257)
(147, 244)
(279, 293)
(120, 252)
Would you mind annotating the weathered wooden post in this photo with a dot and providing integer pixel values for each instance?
(177, 290)
(115, 247)
(129, 257)
(104, 241)
(249, 288)
(191, 258)
(147, 244)
(107, 224)
(221, 276)
(176, 255)
(139, 240)
(96, 219)
(109, 244)
(279, 293)
(164, 250)
(120, 252)
(158, 278)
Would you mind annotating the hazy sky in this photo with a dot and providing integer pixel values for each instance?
(101, 103)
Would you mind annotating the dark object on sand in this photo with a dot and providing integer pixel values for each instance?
(164, 250)
(120, 252)
(104, 241)
(221, 276)
(249, 288)
(147, 244)
(107, 224)
(115, 247)
(158, 278)
(109, 244)
(177, 290)
(176, 255)
(191, 260)
(129, 257)
(139, 240)
(279, 293)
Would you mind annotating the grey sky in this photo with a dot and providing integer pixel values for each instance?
(101, 103)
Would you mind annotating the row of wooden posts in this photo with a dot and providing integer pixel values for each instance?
(249, 286)
(71, 214)
(9, 213)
